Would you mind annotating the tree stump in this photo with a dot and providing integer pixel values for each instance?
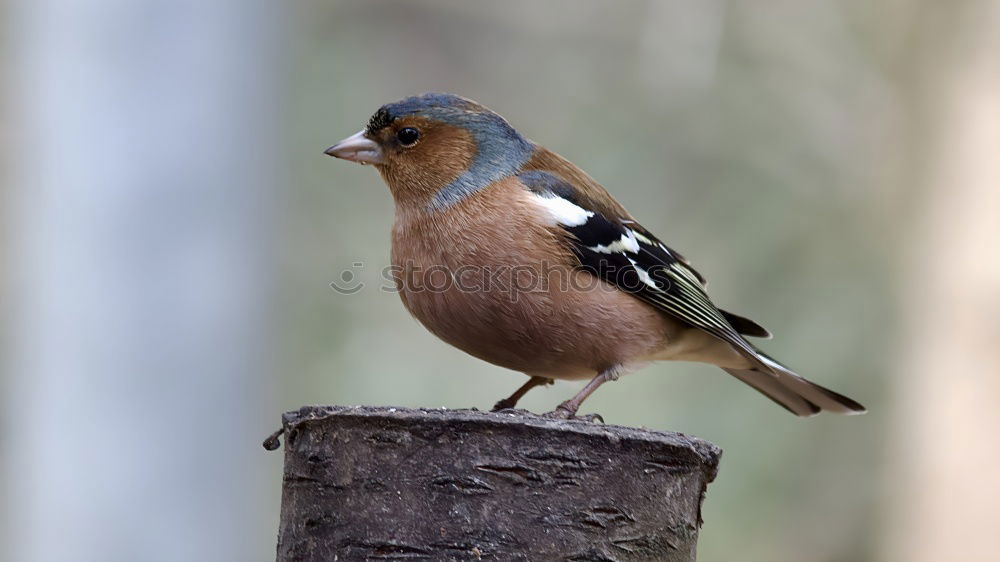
(365, 483)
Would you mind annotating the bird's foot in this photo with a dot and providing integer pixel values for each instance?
(511, 401)
(563, 413)
(505, 404)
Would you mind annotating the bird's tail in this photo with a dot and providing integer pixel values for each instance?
(792, 392)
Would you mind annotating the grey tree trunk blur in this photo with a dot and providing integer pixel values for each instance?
(142, 225)
(948, 378)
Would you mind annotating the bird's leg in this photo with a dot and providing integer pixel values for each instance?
(511, 400)
(567, 410)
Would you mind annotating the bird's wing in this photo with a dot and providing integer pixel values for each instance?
(613, 246)
(622, 252)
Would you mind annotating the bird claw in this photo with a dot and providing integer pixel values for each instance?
(561, 413)
(592, 418)
(504, 404)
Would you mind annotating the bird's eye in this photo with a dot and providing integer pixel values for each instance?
(408, 136)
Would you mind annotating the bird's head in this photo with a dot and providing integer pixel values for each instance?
(436, 149)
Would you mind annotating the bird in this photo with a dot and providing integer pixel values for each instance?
(513, 254)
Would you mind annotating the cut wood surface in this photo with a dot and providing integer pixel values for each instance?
(366, 483)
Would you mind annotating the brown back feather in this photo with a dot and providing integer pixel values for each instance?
(592, 195)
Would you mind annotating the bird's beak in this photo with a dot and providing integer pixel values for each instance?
(357, 148)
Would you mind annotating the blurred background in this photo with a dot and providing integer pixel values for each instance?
(171, 229)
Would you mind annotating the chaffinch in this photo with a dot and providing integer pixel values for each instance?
(511, 253)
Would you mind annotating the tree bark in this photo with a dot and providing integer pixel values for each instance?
(365, 483)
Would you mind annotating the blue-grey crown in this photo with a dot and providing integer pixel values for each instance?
(500, 149)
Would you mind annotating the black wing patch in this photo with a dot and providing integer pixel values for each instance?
(630, 257)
